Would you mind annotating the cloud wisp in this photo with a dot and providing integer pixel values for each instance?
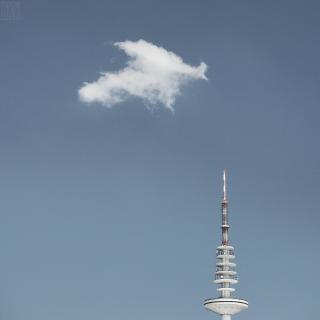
(152, 74)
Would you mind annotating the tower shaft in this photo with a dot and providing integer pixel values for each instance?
(224, 225)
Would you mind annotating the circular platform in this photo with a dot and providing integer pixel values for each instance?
(226, 306)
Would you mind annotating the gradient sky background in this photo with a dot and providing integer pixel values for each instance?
(114, 213)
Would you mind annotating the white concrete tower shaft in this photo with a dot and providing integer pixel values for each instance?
(225, 275)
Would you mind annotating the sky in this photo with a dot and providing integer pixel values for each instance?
(113, 211)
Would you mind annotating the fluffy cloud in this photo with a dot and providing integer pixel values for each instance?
(152, 73)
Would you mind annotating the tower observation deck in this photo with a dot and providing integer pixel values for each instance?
(225, 275)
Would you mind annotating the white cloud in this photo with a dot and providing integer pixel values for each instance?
(152, 74)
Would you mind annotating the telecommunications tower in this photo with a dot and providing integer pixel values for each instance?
(225, 275)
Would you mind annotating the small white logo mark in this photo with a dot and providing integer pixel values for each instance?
(10, 10)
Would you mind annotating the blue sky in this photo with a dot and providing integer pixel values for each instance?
(113, 213)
